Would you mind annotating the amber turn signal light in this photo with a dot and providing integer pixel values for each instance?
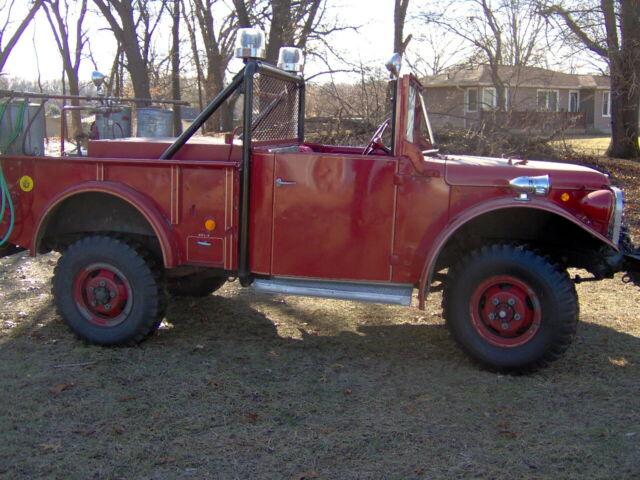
(210, 224)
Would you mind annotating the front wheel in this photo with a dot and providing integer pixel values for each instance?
(108, 291)
(510, 308)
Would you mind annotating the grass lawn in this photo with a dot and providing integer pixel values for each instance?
(588, 144)
(239, 385)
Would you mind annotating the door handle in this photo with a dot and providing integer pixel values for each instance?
(280, 182)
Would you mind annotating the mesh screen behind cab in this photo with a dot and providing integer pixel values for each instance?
(275, 109)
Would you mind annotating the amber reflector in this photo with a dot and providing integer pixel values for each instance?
(210, 224)
(565, 197)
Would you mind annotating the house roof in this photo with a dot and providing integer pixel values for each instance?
(516, 76)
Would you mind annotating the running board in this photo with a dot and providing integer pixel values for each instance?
(394, 294)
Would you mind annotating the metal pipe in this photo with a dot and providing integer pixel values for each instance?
(8, 93)
(301, 106)
(279, 74)
(203, 116)
(393, 85)
(245, 171)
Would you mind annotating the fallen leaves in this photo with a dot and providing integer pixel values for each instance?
(51, 447)
(56, 389)
(305, 475)
(126, 399)
(249, 418)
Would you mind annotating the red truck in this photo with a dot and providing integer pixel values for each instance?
(138, 220)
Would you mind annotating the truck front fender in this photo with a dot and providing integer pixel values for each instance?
(466, 216)
(140, 202)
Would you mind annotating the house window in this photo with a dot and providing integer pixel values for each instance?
(606, 104)
(489, 98)
(548, 100)
(472, 100)
(574, 101)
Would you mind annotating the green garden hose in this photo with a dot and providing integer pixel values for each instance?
(4, 188)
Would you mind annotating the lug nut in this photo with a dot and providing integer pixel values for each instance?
(107, 306)
(102, 283)
(492, 316)
(511, 301)
(505, 326)
(516, 316)
(496, 301)
(112, 294)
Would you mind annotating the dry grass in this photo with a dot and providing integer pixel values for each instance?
(587, 144)
(239, 385)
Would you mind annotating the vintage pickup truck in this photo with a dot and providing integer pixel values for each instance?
(138, 220)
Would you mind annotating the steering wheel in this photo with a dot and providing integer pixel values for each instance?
(376, 140)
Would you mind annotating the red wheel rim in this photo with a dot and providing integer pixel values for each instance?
(505, 311)
(103, 294)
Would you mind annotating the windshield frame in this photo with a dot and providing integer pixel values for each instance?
(415, 115)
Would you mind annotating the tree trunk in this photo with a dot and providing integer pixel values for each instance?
(127, 36)
(624, 112)
(280, 32)
(175, 68)
(399, 15)
(624, 66)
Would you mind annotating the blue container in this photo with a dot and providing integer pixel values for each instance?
(154, 122)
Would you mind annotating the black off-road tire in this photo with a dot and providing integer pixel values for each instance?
(194, 285)
(492, 287)
(109, 291)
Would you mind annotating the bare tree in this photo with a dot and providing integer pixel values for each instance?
(502, 32)
(70, 41)
(295, 23)
(611, 30)
(217, 35)
(399, 15)
(7, 9)
(134, 23)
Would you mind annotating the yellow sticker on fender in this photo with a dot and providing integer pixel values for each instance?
(26, 183)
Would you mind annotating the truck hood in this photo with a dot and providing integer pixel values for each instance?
(467, 170)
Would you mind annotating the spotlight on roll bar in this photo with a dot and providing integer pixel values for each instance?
(98, 80)
(290, 59)
(250, 43)
(394, 64)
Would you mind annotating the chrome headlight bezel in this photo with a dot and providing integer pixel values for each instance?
(615, 223)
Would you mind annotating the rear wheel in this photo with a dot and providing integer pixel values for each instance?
(108, 291)
(510, 308)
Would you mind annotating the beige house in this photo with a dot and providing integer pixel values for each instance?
(536, 99)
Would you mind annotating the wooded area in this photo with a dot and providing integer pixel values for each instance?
(195, 64)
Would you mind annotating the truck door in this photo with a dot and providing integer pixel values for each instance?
(333, 216)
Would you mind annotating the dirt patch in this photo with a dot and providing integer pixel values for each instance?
(240, 385)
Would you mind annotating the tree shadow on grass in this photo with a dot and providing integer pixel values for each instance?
(242, 317)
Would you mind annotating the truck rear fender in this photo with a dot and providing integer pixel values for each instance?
(152, 220)
(457, 223)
